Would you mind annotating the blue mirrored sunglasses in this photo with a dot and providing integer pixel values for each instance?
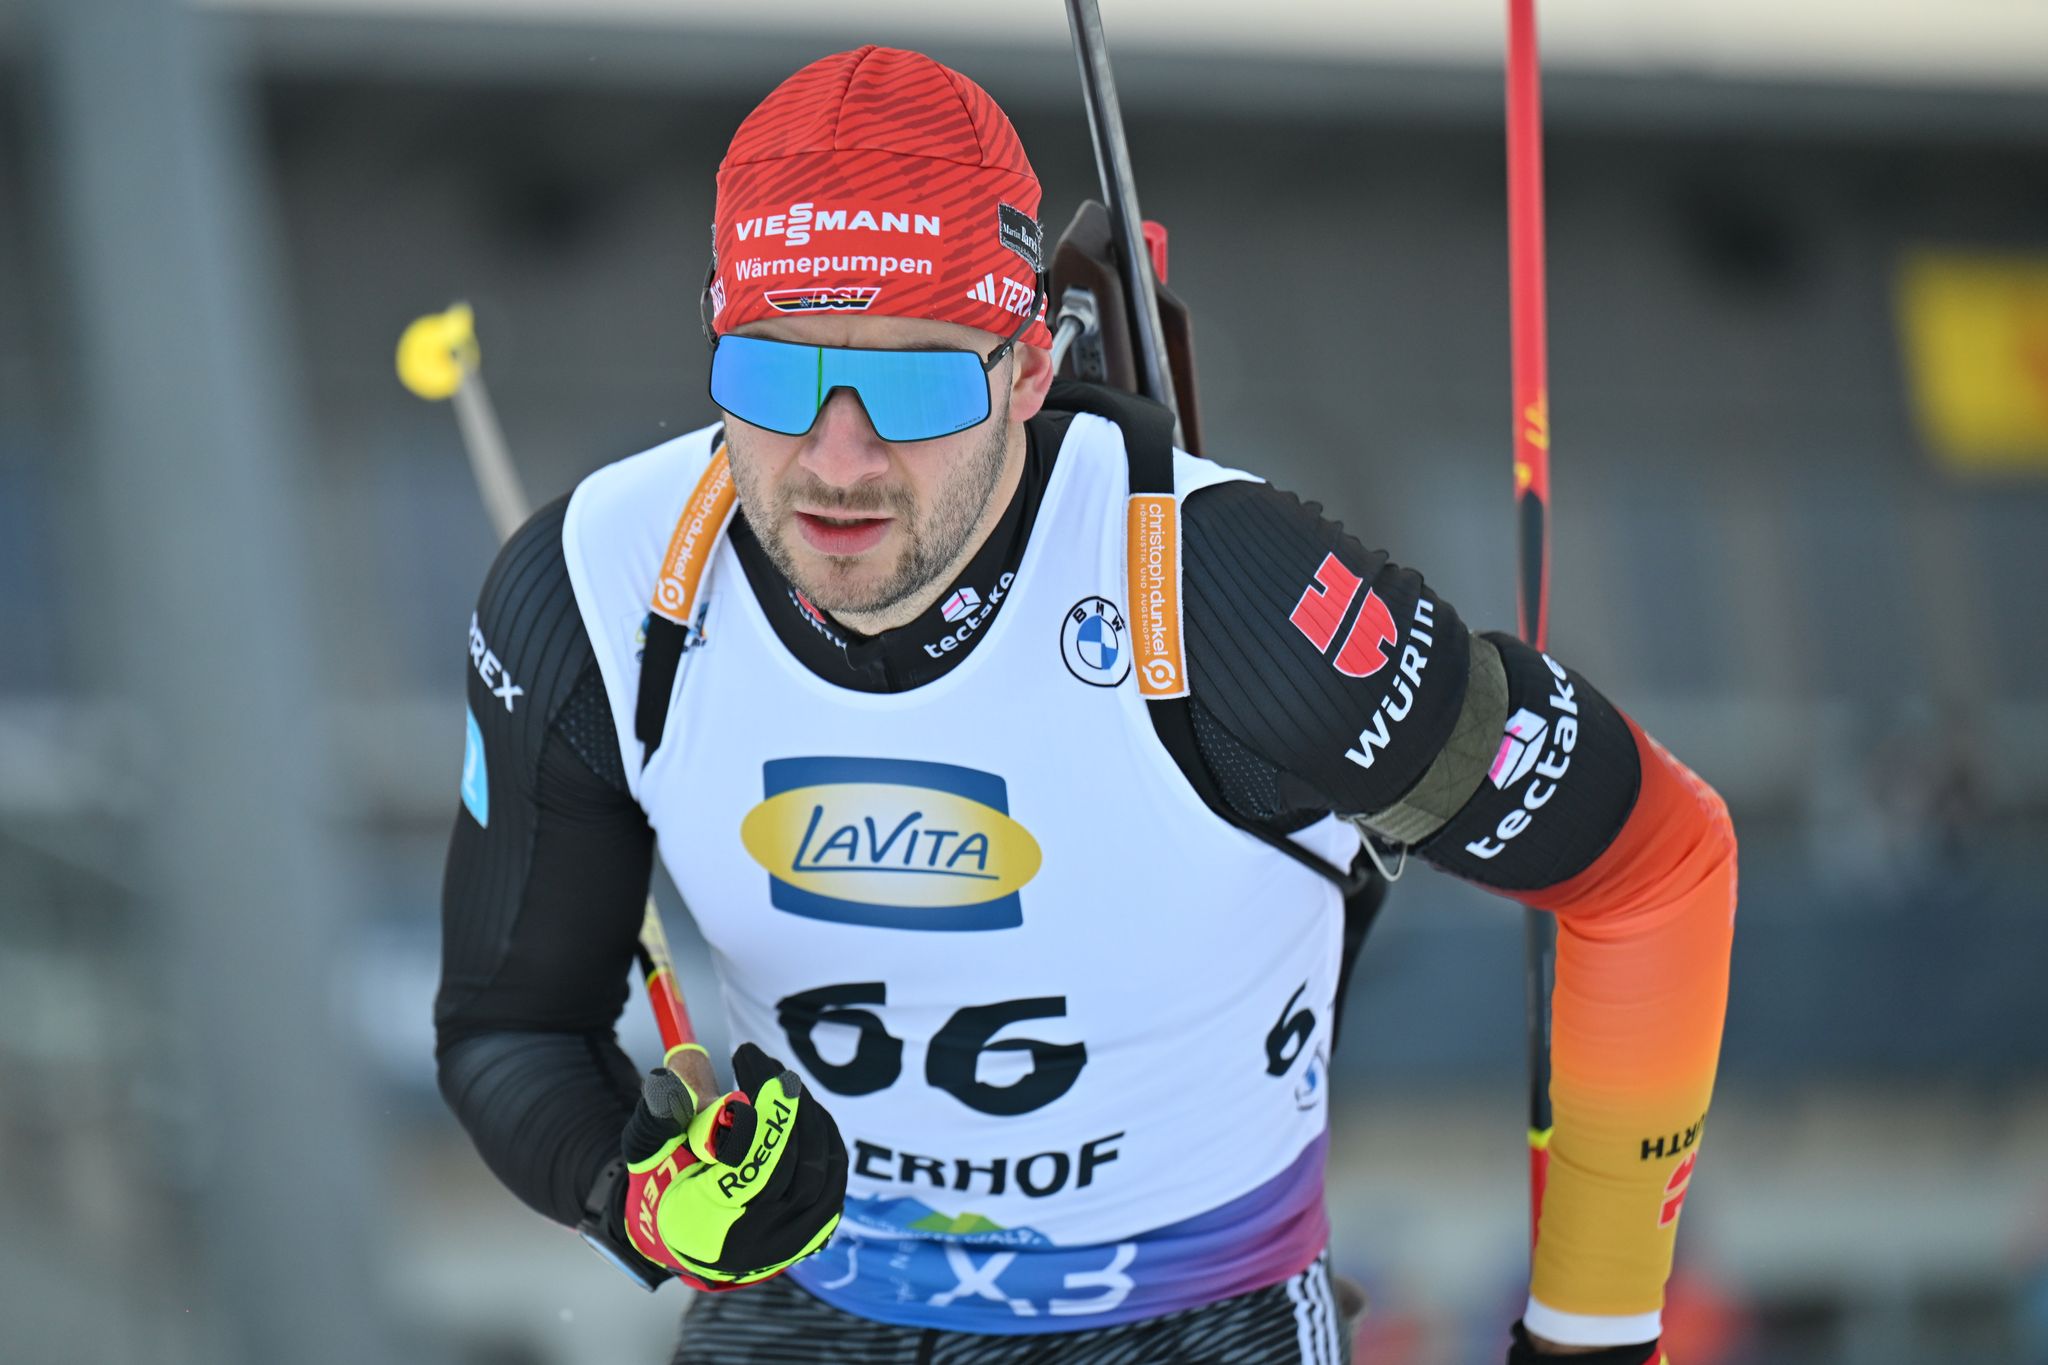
(780, 386)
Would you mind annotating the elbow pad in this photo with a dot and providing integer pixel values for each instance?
(1560, 781)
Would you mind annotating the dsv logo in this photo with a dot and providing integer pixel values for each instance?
(833, 299)
(773, 1128)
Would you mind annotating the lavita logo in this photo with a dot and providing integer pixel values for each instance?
(890, 843)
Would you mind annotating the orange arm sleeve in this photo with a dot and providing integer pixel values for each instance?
(1642, 986)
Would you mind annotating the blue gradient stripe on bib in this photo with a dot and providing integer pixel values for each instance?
(884, 1263)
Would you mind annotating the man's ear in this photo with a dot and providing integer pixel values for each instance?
(1031, 374)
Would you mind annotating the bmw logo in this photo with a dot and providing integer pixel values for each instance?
(1094, 641)
(1309, 1091)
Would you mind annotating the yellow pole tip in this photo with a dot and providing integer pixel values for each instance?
(436, 352)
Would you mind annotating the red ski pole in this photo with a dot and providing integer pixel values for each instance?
(438, 358)
(1532, 503)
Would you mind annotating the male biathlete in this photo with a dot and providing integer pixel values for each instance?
(1034, 1038)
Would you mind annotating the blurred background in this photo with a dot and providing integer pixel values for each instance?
(1799, 338)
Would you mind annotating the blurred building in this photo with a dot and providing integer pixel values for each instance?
(1796, 326)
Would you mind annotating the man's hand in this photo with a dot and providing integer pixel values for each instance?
(733, 1192)
(1529, 1349)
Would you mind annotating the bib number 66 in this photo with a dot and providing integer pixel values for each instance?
(952, 1058)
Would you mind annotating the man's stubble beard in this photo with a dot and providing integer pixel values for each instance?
(933, 543)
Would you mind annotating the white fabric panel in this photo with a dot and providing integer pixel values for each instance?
(819, 834)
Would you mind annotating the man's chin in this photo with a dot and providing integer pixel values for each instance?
(855, 584)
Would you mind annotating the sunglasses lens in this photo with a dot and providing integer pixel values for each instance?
(769, 384)
(913, 395)
(908, 395)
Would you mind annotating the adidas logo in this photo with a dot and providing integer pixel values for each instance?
(1004, 293)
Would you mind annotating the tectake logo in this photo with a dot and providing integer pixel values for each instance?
(800, 221)
(962, 601)
(1537, 750)
(846, 299)
(968, 613)
(1520, 746)
(890, 843)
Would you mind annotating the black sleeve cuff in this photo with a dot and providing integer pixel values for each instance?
(1524, 1352)
(604, 1227)
(1560, 785)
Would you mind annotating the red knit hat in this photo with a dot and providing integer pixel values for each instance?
(878, 181)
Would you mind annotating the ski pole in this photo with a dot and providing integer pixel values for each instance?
(1120, 197)
(1532, 506)
(438, 358)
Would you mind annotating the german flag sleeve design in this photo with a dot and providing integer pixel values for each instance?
(1642, 984)
(1357, 684)
(1582, 814)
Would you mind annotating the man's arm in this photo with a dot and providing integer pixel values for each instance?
(541, 905)
(1364, 694)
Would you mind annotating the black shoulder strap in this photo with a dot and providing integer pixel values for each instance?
(1148, 446)
(659, 660)
(658, 664)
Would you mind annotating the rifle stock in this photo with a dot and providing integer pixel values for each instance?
(1086, 257)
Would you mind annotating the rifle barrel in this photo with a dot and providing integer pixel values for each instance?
(1120, 196)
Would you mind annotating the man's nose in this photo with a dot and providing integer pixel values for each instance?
(843, 449)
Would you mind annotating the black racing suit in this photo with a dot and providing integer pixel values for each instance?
(542, 906)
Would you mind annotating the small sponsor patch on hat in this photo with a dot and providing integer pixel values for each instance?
(824, 299)
(1020, 232)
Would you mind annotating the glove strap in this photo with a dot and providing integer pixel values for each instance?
(597, 1226)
